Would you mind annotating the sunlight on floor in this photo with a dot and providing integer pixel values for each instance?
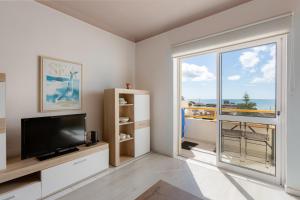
(204, 152)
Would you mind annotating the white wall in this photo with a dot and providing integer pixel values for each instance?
(293, 100)
(154, 71)
(201, 130)
(29, 29)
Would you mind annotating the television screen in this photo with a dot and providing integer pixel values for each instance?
(45, 135)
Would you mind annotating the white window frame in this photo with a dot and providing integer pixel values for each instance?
(281, 130)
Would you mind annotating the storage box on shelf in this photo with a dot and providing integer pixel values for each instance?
(2, 123)
(135, 105)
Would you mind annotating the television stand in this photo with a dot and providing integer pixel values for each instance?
(57, 153)
(34, 179)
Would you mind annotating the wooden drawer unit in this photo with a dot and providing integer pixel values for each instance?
(57, 178)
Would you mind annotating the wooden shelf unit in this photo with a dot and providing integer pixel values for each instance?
(120, 151)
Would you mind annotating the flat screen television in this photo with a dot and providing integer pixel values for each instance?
(46, 137)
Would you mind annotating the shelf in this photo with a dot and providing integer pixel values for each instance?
(124, 159)
(124, 105)
(125, 123)
(128, 139)
(19, 182)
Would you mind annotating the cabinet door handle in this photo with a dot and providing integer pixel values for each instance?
(10, 197)
(78, 162)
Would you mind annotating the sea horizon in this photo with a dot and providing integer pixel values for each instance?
(261, 104)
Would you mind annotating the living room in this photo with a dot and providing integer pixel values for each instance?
(91, 99)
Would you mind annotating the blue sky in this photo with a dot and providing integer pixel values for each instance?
(250, 70)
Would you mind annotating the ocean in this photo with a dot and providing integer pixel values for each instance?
(261, 104)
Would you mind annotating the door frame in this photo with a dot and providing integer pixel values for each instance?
(281, 130)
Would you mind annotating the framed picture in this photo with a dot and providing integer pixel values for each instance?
(61, 85)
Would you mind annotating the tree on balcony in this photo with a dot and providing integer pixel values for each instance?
(247, 103)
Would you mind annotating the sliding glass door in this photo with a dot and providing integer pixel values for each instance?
(247, 109)
(249, 104)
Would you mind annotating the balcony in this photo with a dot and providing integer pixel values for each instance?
(249, 145)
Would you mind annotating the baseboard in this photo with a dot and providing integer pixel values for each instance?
(292, 191)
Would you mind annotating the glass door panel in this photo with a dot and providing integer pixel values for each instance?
(248, 81)
(249, 145)
(248, 104)
(198, 86)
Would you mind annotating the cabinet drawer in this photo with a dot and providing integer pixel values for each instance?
(29, 192)
(61, 176)
(142, 141)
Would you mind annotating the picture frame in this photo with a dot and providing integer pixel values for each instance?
(60, 85)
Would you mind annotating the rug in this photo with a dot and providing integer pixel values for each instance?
(188, 145)
(165, 191)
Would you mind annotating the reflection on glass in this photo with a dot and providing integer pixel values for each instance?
(249, 145)
(249, 81)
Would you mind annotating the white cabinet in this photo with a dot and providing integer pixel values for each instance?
(30, 191)
(141, 107)
(142, 120)
(58, 177)
(142, 141)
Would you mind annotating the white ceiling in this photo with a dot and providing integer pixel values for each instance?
(137, 20)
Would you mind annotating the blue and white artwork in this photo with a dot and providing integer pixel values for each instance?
(61, 84)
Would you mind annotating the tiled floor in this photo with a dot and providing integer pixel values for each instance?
(201, 180)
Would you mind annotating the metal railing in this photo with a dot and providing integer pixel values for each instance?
(210, 112)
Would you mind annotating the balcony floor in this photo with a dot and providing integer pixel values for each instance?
(204, 152)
